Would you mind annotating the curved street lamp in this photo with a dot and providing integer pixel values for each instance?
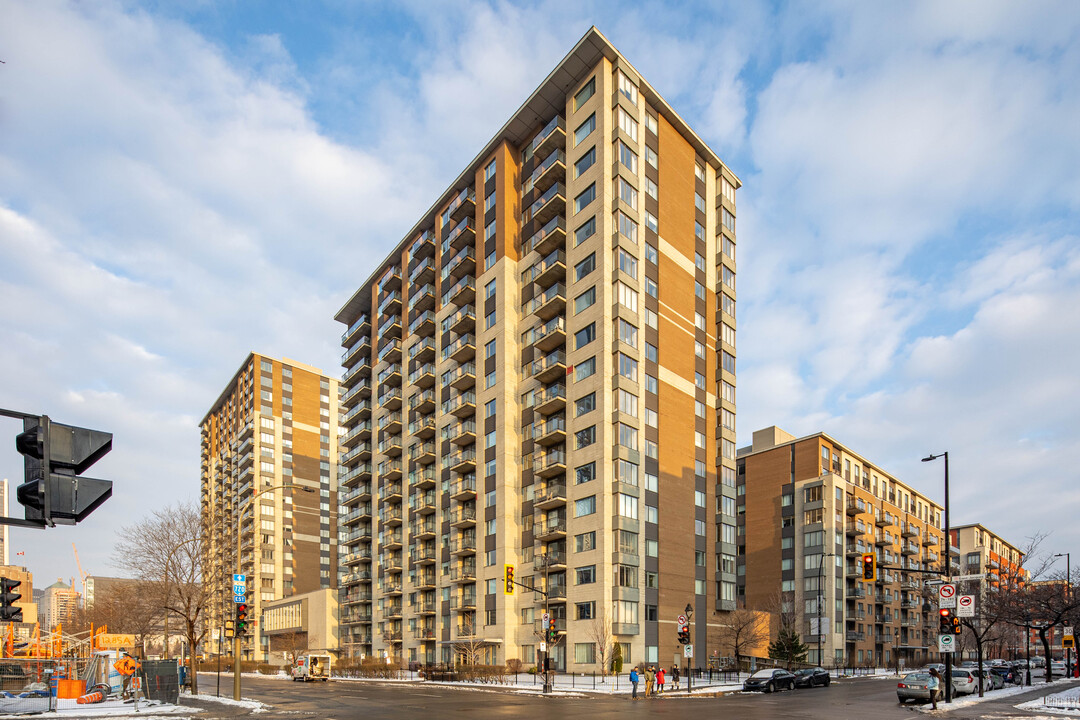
(948, 564)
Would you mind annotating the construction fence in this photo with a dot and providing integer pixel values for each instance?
(29, 685)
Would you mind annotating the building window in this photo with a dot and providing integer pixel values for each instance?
(585, 267)
(628, 506)
(585, 369)
(585, 473)
(626, 192)
(626, 472)
(651, 157)
(626, 156)
(585, 575)
(489, 171)
(626, 87)
(650, 287)
(584, 336)
(650, 186)
(585, 506)
(627, 401)
(585, 541)
(585, 300)
(652, 353)
(628, 367)
(585, 611)
(585, 129)
(699, 203)
(585, 437)
(626, 262)
(628, 435)
(586, 92)
(585, 162)
(627, 124)
(626, 226)
(586, 231)
(585, 404)
(626, 296)
(584, 198)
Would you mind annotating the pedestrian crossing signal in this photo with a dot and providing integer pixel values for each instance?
(229, 631)
(508, 579)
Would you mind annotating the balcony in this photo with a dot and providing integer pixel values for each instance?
(907, 530)
(391, 446)
(423, 530)
(461, 265)
(356, 494)
(463, 517)
(550, 463)
(909, 549)
(357, 535)
(550, 171)
(423, 324)
(422, 479)
(460, 433)
(463, 572)
(423, 350)
(550, 335)
(423, 453)
(855, 507)
(360, 410)
(550, 270)
(423, 402)
(361, 325)
(462, 321)
(362, 512)
(550, 495)
(389, 329)
(361, 349)
(427, 607)
(424, 634)
(423, 502)
(550, 530)
(461, 349)
(463, 377)
(463, 489)
(551, 560)
(463, 205)
(551, 431)
(551, 137)
(929, 540)
(882, 541)
(550, 399)
(361, 472)
(423, 246)
(425, 555)
(550, 204)
(362, 451)
(464, 545)
(390, 423)
(549, 368)
(548, 304)
(359, 371)
(463, 461)
(423, 427)
(391, 304)
(390, 399)
(391, 516)
(422, 299)
(461, 405)
(391, 353)
(463, 602)
(423, 272)
(882, 520)
(391, 492)
(851, 530)
(391, 541)
(461, 292)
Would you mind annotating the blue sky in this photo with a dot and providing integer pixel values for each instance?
(182, 183)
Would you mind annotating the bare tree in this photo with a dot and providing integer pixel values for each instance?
(291, 645)
(599, 632)
(469, 645)
(742, 630)
(165, 549)
(132, 610)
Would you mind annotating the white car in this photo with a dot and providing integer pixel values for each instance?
(1057, 666)
(964, 682)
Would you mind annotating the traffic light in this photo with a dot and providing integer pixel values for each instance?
(55, 456)
(508, 579)
(8, 596)
(955, 629)
(945, 621)
(241, 619)
(551, 630)
(869, 567)
(684, 634)
(229, 632)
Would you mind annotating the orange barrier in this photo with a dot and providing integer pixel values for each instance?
(90, 698)
(68, 689)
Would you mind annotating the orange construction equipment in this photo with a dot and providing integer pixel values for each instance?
(95, 696)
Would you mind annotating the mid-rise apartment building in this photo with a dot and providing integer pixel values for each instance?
(809, 508)
(269, 485)
(542, 374)
(985, 553)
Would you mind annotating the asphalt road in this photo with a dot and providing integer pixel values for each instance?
(856, 699)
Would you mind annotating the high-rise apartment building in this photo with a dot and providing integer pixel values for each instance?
(809, 509)
(542, 374)
(58, 606)
(269, 451)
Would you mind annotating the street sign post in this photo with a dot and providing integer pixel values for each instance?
(682, 619)
(962, 578)
(239, 588)
(947, 595)
(965, 606)
(946, 643)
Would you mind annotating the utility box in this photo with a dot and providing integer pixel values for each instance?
(162, 680)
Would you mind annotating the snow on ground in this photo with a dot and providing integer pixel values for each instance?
(254, 705)
(974, 699)
(112, 708)
(1067, 703)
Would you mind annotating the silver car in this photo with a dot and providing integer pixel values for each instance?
(964, 682)
(913, 687)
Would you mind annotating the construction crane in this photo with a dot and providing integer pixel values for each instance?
(82, 574)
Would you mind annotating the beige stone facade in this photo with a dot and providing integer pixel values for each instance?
(306, 622)
(269, 445)
(542, 375)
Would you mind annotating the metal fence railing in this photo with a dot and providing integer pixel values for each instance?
(1062, 702)
(28, 685)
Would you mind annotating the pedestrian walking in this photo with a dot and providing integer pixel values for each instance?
(650, 680)
(634, 679)
(934, 685)
(660, 680)
(674, 677)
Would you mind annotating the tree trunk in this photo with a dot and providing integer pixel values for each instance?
(191, 659)
(979, 657)
(1046, 652)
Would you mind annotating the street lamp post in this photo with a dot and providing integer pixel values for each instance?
(239, 525)
(948, 564)
(1027, 643)
(1068, 599)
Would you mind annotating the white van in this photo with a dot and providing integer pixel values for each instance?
(311, 667)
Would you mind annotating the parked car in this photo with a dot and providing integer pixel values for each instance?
(770, 680)
(992, 680)
(1057, 666)
(812, 677)
(964, 682)
(1009, 674)
(913, 686)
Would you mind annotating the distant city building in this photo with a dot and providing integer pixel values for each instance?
(269, 456)
(101, 586)
(59, 605)
(541, 374)
(809, 509)
(988, 554)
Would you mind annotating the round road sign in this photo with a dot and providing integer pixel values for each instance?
(947, 590)
(682, 619)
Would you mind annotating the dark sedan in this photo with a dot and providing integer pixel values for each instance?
(811, 677)
(769, 681)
